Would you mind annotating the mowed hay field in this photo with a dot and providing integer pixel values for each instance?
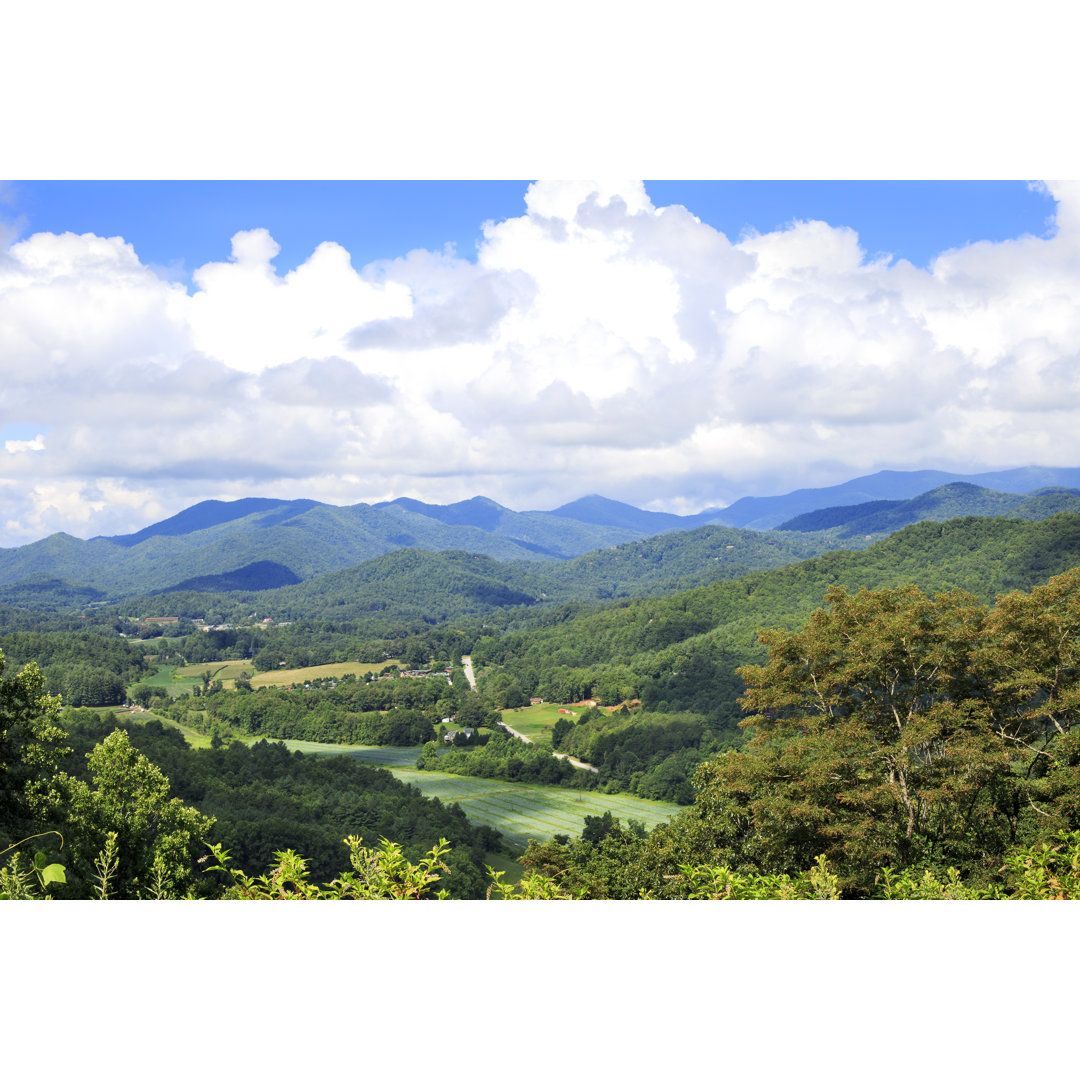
(524, 812)
(228, 672)
(292, 676)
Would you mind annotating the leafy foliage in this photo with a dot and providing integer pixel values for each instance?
(380, 873)
(31, 883)
(31, 749)
(503, 757)
(150, 841)
(265, 799)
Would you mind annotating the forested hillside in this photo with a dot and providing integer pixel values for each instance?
(263, 799)
(680, 652)
(256, 545)
(669, 676)
(265, 544)
(902, 746)
(876, 519)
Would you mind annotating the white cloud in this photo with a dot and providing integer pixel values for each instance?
(22, 446)
(597, 343)
(251, 319)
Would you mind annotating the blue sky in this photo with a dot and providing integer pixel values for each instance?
(672, 344)
(179, 225)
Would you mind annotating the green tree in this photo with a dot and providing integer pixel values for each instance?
(1031, 660)
(559, 731)
(871, 740)
(141, 694)
(157, 838)
(31, 748)
(429, 756)
(474, 711)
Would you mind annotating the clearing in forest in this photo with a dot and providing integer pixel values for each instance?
(299, 676)
(228, 670)
(524, 812)
(536, 721)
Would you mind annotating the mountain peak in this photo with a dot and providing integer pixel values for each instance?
(598, 510)
(479, 511)
(211, 512)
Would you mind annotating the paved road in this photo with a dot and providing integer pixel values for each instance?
(574, 761)
(516, 734)
(466, 663)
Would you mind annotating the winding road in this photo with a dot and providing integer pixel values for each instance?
(466, 664)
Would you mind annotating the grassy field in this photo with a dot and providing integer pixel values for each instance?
(374, 755)
(536, 721)
(195, 740)
(168, 678)
(521, 812)
(524, 812)
(227, 672)
(292, 676)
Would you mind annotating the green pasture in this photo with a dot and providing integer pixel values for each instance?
(536, 721)
(402, 756)
(524, 812)
(194, 739)
(292, 676)
(226, 671)
(191, 675)
(168, 678)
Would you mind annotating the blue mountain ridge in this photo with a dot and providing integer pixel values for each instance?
(205, 515)
(263, 540)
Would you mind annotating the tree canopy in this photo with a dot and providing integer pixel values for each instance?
(897, 729)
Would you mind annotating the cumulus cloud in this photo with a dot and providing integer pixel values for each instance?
(22, 446)
(247, 316)
(453, 302)
(597, 343)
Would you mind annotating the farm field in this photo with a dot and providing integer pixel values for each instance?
(524, 812)
(374, 755)
(166, 676)
(404, 756)
(291, 676)
(194, 739)
(536, 721)
(228, 671)
(521, 812)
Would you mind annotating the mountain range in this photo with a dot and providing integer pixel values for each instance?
(259, 543)
(872, 520)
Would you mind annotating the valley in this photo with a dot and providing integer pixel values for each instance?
(291, 708)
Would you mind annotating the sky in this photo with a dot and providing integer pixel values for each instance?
(242, 254)
(675, 345)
